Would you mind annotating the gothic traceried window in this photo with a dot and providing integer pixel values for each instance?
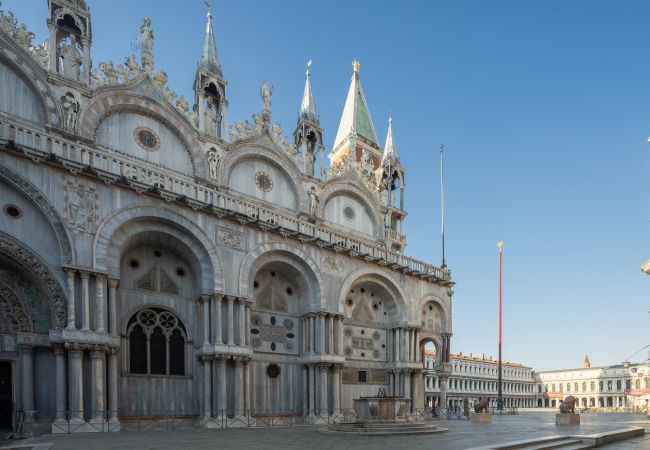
(157, 341)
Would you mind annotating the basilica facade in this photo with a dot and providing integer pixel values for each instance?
(155, 258)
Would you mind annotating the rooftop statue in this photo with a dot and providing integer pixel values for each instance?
(145, 41)
(266, 92)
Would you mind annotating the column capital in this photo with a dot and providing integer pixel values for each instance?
(97, 352)
(113, 350)
(323, 366)
(26, 349)
(85, 274)
(230, 298)
(100, 275)
(113, 282)
(205, 359)
(58, 349)
(74, 350)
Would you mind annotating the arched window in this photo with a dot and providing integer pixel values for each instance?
(584, 386)
(592, 386)
(628, 384)
(600, 386)
(575, 387)
(618, 385)
(637, 385)
(157, 341)
(609, 385)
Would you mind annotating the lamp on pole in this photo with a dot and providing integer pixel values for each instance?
(500, 387)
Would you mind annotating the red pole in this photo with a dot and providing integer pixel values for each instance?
(500, 391)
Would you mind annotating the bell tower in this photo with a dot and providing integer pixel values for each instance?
(70, 36)
(210, 102)
(309, 134)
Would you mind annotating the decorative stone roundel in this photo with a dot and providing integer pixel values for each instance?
(263, 181)
(147, 139)
(349, 213)
(288, 324)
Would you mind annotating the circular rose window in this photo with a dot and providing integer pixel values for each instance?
(263, 181)
(147, 139)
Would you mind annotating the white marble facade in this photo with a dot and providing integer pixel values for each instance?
(151, 261)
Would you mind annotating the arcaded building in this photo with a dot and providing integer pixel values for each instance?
(157, 255)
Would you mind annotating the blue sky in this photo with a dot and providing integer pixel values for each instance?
(544, 108)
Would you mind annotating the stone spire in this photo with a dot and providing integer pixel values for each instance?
(209, 57)
(390, 153)
(585, 363)
(355, 120)
(307, 107)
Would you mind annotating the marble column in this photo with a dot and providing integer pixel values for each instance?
(336, 390)
(330, 330)
(231, 321)
(239, 385)
(61, 389)
(205, 311)
(112, 383)
(207, 387)
(53, 63)
(85, 46)
(321, 333)
(75, 383)
(443, 392)
(407, 385)
(222, 402)
(214, 326)
(391, 383)
(417, 395)
(218, 322)
(305, 388)
(303, 323)
(312, 340)
(247, 385)
(27, 377)
(112, 305)
(71, 311)
(395, 344)
(248, 325)
(100, 304)
(242, 322)
(312, 393)
(323, 389)
(98, 382)
(85, 301)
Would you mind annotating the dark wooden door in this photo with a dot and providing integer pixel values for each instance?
(6, 396)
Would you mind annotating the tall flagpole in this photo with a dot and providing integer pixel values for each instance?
(442, 199)
(500, 392)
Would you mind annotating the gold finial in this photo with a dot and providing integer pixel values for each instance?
(355, 65)
(500, 245)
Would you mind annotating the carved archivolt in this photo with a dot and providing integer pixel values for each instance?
(13, 317)
(29, 261)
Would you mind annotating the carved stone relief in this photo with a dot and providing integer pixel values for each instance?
(274, 333)
(231, 239)
(333, 265)
(81, 207)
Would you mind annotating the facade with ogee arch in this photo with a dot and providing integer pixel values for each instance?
(155, 260)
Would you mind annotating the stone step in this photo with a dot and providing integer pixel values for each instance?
(381, 425)
(563, 444)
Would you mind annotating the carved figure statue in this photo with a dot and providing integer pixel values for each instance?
(482, 406)
(182, 106)
(23, 37)
(8, 23)
(313, 200)
(568, 405)
(213, 161)
(41, 54)
(210, 119)
(277, 131)
(367, 166)
(266, 92)
(259, 123)
(160, 78)
(146, 44)
(233, 134)
(109, 71)
(71, 58)
(71, 110)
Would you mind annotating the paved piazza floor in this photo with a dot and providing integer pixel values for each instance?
(461, 435)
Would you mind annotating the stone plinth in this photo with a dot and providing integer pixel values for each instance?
(484, 417)
(567, 419)
(382, 409)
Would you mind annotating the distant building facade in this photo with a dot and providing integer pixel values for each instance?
(618, 386)
(476, 377)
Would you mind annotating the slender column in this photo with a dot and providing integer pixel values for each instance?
(221, 387)
(417, 398)
(207, 386)
(330, 344)
(339, 335)
(395, 344)
(59, 355)
(27, 371)
(239, 384)
(216, 309)
(205, 310)
(75, 380)
(112, 383)
(98, 382)
(85, 46)
(303, 323)
(213, 323)
(242, 322)
(416, 346)
(321, 333)
(112, 305)
(305, 387)
(312, 393)
(248, 325)
(391, 383)
(100, 305)
(443, 392)
(402, 345)
(247, 385)
(231, 319)
(53, 50)
(312, 339)
(323, 388)
(85, 301)
(407, 385)
(71, 312)
(336, 390)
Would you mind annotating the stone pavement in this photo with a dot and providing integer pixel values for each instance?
(461, 435)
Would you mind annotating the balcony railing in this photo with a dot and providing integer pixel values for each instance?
(141, 176)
